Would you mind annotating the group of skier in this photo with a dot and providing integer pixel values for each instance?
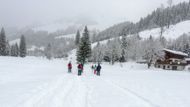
(96, 69)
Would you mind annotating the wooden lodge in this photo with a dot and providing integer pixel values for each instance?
(188, 61)
(172, 60)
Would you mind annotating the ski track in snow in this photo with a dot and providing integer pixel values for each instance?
(48, 93)
(64, 92)
(127, 91)
(73, 91)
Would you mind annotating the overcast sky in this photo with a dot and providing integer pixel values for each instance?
(105, 12)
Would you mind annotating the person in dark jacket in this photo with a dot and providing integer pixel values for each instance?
(69, 67)
(98, 68)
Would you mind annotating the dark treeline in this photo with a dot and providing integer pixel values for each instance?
(14, 49)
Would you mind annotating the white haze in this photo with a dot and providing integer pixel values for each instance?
(21, 13)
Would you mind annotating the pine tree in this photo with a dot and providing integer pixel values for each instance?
(107, 56)
(12, 50)
(48, 51)
(152, 49)
(8, 48)
(16, 50)
(123, 49)
(22, 46)
(2, 42)
(84, 49)
(115, 50)
(77, 38)
(98, 53)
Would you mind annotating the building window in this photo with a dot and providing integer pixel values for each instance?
(174, 67)
(164, 67)
(168, 66)
(158, 66)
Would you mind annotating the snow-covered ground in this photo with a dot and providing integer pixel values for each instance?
(38, 82)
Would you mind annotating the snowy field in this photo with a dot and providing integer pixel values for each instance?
(38, 82)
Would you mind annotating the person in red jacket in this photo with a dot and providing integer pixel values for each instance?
(95, 69)
(69, 67)
(80, 69)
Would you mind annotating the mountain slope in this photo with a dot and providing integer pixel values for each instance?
(172, 33)
(159, 18)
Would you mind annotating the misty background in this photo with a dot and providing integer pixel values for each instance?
(56, 22)
(18, 14)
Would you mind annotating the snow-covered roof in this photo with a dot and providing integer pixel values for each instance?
(176, 52)
(72, 36)
(14, 41)
(35, 47)
(187, 59)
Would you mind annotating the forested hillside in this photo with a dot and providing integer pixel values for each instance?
(161, 18)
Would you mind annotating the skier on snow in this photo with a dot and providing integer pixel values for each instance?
(80, 69)
(98, 69)
(95, 69)
(69, 67)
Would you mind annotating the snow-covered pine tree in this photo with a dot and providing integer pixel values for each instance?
(16, 50)
(93, 38)
(22, 46)
(160, 19)
(152, 48)
(48, 51)
(98, 53)
(84, 49)
(2, 43)
(12, 50)
(134, 47)
(168, 13)
(163, 41)
(77, 38)
(123, 49)
(114, 50)
(8, 49)
(107, 51)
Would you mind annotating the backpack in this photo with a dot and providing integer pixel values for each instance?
(69, 65)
